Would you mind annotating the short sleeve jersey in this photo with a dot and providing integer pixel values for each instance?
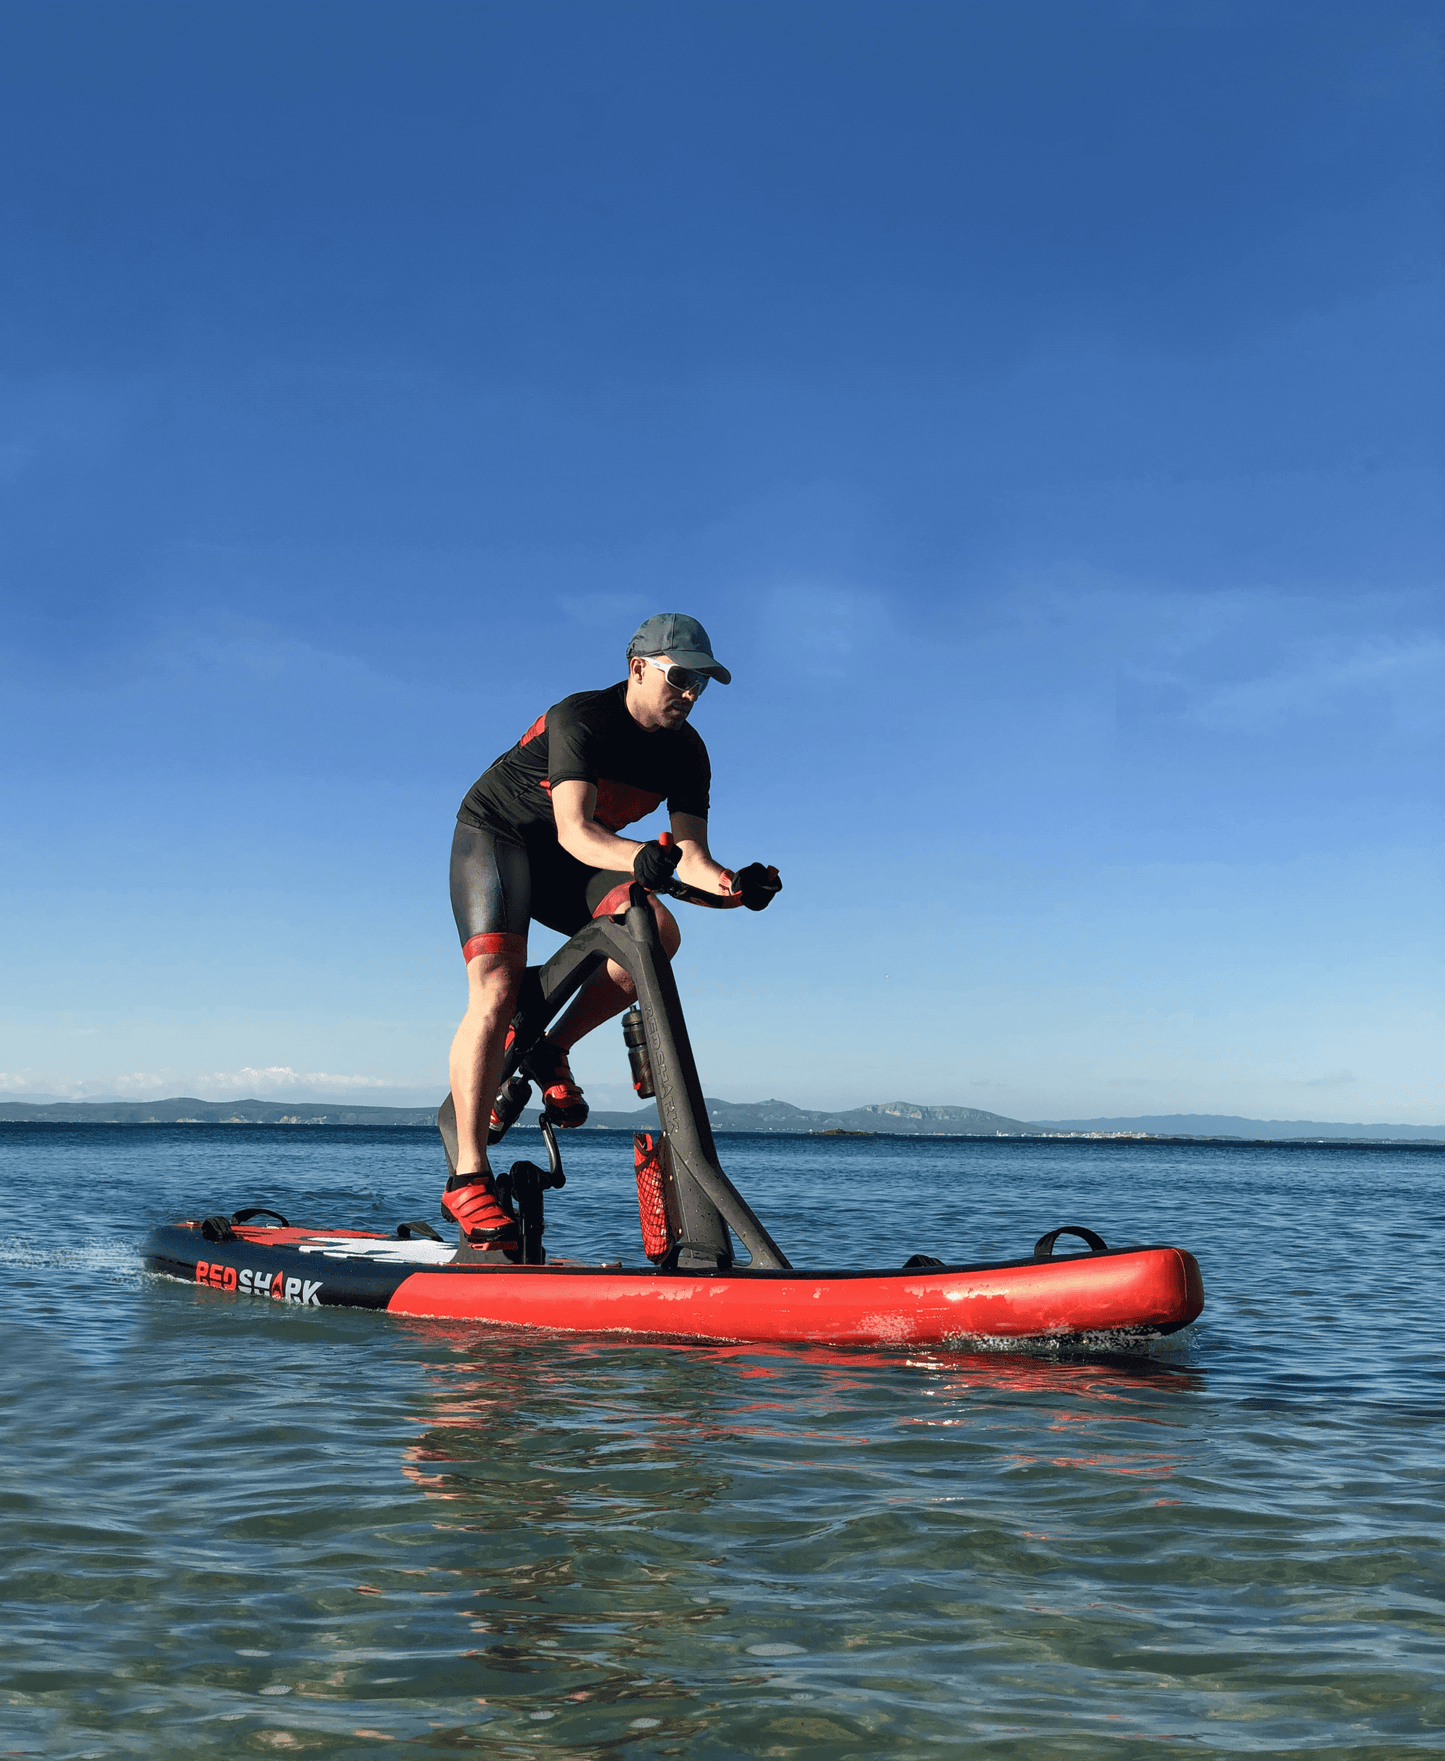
(590, 738)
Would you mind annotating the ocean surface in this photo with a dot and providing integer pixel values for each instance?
(233, 1528)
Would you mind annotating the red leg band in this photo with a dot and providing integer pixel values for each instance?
(493, 944)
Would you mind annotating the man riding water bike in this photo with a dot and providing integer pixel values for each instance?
(538, 838)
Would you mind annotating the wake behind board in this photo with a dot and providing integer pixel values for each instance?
(1140, 1290)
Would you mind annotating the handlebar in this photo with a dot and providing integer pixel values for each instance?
(691, 896)
(615, 901)
(676, 889)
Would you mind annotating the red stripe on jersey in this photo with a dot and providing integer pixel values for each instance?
(618, 804)
(538, 727)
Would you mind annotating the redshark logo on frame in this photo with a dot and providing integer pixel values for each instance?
(274, 1285)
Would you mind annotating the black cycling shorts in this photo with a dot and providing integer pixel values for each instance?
(499, 886)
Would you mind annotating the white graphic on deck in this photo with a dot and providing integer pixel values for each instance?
(388, 1253)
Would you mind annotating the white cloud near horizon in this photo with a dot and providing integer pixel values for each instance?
(271, 1082)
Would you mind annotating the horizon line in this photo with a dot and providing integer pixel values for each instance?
(1077, 1121)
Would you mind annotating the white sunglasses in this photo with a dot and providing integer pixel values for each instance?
(681, 678)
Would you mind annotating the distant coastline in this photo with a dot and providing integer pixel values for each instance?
(887, 1118)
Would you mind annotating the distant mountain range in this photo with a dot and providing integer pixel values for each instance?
(893, 1116)
(885, 1118)
(905, 1117)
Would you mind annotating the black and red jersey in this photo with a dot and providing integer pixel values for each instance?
(590, 737)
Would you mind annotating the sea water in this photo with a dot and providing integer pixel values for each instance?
(234, 1528)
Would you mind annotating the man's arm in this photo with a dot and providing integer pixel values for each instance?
(579, 835)
(573, 805)
(697, 867)
(575, 802)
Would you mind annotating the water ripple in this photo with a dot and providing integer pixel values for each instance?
(232, 1528)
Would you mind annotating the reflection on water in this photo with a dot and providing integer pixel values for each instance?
(233, 1530)
(627, 1469)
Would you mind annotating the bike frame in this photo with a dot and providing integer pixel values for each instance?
(710, 1204)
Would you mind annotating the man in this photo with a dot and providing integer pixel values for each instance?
(538, 837)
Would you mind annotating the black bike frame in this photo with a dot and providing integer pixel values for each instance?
(709, 1202)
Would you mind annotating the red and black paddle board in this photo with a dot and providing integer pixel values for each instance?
(1132, 1290)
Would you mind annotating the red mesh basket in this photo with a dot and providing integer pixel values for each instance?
(656, 1201)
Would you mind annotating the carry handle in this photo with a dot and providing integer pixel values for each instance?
(250, 1211)
(1044, 1246)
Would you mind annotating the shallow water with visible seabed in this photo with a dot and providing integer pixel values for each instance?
(232, 1528)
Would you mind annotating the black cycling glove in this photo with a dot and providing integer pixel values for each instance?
(654, 864)
(759, 886)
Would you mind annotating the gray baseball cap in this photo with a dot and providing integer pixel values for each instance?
(683, 639)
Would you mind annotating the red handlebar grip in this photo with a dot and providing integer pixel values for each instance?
(665, 839)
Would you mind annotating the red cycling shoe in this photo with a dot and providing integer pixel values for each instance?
(547, 1066)
(470, 1201)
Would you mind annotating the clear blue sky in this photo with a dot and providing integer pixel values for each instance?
(1039, 403)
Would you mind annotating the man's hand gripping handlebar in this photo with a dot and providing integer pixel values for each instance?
(654, 864)
(755, 886)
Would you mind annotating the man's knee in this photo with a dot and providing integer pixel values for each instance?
(493, 977)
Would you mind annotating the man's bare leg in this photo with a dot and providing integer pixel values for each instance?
(479, 1049)
(610, 991)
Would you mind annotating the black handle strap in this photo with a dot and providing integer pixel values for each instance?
(415, 1228)
(1044, 1246)
(250, 1211)
(919, 1260)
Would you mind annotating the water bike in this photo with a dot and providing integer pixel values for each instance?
(696, 1225)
